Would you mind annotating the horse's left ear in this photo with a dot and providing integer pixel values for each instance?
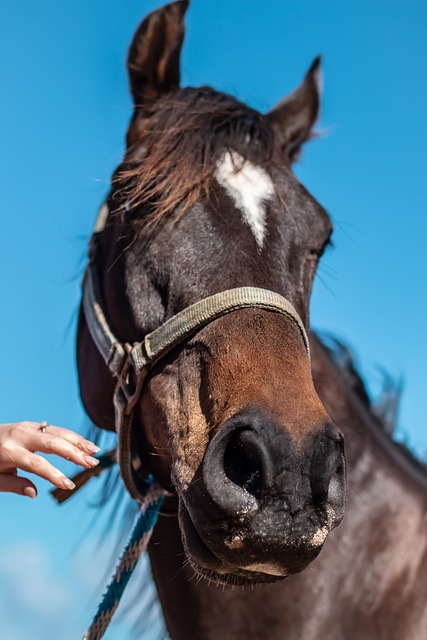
(153, 59)
(294, 117)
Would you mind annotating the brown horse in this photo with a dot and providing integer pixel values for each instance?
(228, 420)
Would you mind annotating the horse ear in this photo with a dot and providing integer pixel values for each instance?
(153, 59)
(294, 117)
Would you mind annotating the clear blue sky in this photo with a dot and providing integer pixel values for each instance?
(64, 109)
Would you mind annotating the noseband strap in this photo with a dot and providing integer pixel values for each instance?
(131, 363)
(175, 330)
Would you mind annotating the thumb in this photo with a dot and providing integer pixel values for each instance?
(11, 483)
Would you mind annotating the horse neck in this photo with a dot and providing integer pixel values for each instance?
(381, 544)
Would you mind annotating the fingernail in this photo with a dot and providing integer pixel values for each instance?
(92, 448)
(30, 492)
(92, 461)
(69, 484)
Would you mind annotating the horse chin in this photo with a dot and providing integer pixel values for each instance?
(207, 565)
(236, 579)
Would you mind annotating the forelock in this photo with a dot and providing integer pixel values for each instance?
(176, 147)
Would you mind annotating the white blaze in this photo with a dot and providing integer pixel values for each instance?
(250, 187)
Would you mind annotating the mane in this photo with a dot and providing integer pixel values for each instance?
(384, 408)
(178, 144)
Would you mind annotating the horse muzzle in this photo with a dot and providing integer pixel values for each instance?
(262, 504)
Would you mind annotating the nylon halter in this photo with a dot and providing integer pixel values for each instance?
(130, 364)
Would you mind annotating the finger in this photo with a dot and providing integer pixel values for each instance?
(33, 463)
(59, 446)
(11, 483)
(27, 431)
(74, 438)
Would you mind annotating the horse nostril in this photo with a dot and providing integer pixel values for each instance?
(237, 468)
(245, 462)
(336, 488)
(328, 473)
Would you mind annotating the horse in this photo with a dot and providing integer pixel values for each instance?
(193, 344)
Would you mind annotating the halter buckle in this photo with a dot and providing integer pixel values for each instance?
(130, 381)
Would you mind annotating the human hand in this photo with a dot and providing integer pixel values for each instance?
(18, 443)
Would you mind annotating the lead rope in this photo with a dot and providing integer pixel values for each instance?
(137, 544)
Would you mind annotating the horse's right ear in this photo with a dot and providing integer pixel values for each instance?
(153, 60)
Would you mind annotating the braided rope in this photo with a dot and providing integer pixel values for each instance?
(138, 542)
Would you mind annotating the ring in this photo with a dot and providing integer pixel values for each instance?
(43, 426)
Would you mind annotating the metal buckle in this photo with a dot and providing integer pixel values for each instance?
(130, 382)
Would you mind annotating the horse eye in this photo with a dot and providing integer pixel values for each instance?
(318, 253)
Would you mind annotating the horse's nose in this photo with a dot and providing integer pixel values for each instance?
(250, 460)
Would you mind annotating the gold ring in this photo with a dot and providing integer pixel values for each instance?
(43, 426)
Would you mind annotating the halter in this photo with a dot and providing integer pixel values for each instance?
(130, 364)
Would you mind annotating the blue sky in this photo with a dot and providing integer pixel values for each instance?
(64, 111)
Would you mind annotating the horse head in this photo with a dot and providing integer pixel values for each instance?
(205, 201)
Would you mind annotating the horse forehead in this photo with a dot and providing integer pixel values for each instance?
(250, 187)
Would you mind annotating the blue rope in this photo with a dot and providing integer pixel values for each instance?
(138, 542)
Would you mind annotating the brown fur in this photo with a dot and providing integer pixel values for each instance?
(215, 377)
